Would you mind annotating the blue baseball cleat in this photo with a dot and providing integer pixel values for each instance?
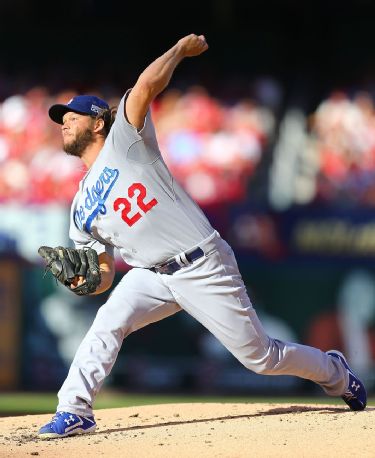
(355, 396)
(67, 424)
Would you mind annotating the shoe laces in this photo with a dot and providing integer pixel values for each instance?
(56, 416)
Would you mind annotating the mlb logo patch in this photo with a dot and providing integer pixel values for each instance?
(96, 109)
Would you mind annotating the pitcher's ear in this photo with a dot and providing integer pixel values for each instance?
(99, 124)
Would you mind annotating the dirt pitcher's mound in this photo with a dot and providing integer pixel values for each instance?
(203, 430)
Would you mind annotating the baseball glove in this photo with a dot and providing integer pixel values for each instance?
(68, 263)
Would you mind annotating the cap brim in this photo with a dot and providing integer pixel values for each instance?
(57, 112)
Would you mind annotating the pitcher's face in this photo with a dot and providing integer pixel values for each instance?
(77, 132)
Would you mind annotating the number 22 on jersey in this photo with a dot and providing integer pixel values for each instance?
(124, 204)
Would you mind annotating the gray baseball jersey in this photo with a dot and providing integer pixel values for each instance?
(129, 200)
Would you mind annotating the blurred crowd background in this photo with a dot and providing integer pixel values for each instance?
(215, 148)
(272, 132)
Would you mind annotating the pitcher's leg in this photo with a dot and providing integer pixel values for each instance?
(287, 358)
(213, 292)
(139, 299)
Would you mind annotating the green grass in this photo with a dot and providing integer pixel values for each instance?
(33, 403)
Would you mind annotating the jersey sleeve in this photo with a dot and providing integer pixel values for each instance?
(139, 145)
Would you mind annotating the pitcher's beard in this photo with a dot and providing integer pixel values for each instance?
(79, 144)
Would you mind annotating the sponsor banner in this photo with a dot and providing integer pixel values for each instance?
(306, 232)
(317, 232)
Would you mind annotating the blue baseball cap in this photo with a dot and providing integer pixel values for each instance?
(83, 104)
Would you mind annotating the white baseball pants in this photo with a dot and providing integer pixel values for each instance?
(212, 291)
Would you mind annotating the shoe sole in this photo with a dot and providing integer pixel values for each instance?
(70, 433)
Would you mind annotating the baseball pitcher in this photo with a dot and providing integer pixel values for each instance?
(129, 200)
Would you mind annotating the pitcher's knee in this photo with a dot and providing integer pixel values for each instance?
(117, 324)
(264, 360)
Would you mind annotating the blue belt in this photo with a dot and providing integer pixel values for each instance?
(169, 268)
